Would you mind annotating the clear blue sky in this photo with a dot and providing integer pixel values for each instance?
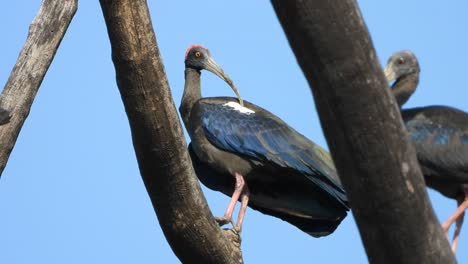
(72, 193)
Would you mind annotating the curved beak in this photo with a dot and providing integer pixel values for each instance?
(389, 73)
(211, 66)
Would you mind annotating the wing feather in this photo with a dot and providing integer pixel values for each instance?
(440, 144)
(265, 138)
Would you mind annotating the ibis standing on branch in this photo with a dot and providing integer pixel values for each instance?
(440, 136)
(253, 156)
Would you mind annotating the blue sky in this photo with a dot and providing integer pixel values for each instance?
(72, 193)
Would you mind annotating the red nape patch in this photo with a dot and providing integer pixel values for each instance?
(193, 46)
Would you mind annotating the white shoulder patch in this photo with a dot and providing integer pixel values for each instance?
(239, 108)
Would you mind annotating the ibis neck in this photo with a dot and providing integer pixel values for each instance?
(192, 93)
(404, 87)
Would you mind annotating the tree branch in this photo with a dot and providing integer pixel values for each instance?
(45, 34)
(158, 139)
(364, 130)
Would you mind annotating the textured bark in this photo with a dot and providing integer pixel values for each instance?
(158, 139)
(45, 34)
(364, 131)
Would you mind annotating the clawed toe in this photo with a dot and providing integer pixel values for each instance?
(224, 220)
(236, 230)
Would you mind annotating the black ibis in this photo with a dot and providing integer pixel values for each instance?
(248, 153)
(440, 136)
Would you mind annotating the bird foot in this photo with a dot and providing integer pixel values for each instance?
(232, 235)
(224, 220)
(240, 191)
(236, 228)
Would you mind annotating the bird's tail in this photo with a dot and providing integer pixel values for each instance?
(312, 226)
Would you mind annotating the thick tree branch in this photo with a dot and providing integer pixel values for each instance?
(364, 130)
(45, 34)
(158, 139)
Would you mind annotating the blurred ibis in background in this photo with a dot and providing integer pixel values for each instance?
(254, 157)
(440, 136)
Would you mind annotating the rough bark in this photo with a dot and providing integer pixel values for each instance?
(158, 138)
(45, 34)
(364, 131)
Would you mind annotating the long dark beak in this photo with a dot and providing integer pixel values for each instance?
(389, 73)
(214, 68)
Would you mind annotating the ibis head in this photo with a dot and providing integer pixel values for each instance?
(403, 68)
(401, 64)
(199, 58)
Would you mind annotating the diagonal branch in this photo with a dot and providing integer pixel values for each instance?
(158, 139)
(45, 34)
(365, 132)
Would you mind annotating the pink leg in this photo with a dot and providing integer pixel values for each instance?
(462, 204)
(244, 202)
(227, 218)
(460, 211)
(456, 235)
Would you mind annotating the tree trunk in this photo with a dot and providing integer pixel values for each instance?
(158, 139)
(45, 34)
(364, 131)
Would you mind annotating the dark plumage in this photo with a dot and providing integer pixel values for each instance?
(286, 175)
(439, 134)
(5, 116)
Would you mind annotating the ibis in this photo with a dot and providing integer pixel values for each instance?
(440, 136)
(251, 155)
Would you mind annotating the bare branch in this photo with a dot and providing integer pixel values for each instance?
(158, 139)
(364, 130)
(45, 34)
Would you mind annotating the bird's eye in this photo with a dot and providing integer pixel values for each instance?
(197, 54)
(401, 61)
